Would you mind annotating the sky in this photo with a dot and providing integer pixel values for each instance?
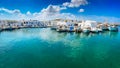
(99, 10)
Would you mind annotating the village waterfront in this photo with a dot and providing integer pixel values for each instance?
(46, 48)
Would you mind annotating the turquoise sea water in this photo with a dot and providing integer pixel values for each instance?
(44, 48)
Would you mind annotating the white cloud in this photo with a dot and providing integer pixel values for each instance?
(11, 14)
(99, 18)
(16, 11)
(81, 10)
(75, 3)
(51, 12)
(28, 13)
(40, 16)
(66, 4)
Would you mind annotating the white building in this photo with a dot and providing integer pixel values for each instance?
(88, 24)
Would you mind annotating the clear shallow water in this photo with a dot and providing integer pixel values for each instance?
(44, 48)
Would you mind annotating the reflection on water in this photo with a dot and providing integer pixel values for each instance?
(44, 48)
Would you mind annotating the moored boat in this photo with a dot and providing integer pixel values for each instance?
(100, 30)
(86, 30)
(113, 28)
(0, 29)
(53, 27)
(61, 29)
(94, 30)
(70, 29)
(78, 29)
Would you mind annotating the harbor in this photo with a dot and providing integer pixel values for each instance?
(53, 45)
(60, 25)
(59, 34)
(46, 48)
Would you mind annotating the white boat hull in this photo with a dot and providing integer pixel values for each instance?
(113, 28)
(86, 30)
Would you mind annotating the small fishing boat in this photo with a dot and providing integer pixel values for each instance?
(113, 28)
(0, 29)
(53, 27)
(94, 30)
(8, 28)
(62, 29)
(86, 30)
(104, 27)
(100, 29)
(78, 29)
(70, 29)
